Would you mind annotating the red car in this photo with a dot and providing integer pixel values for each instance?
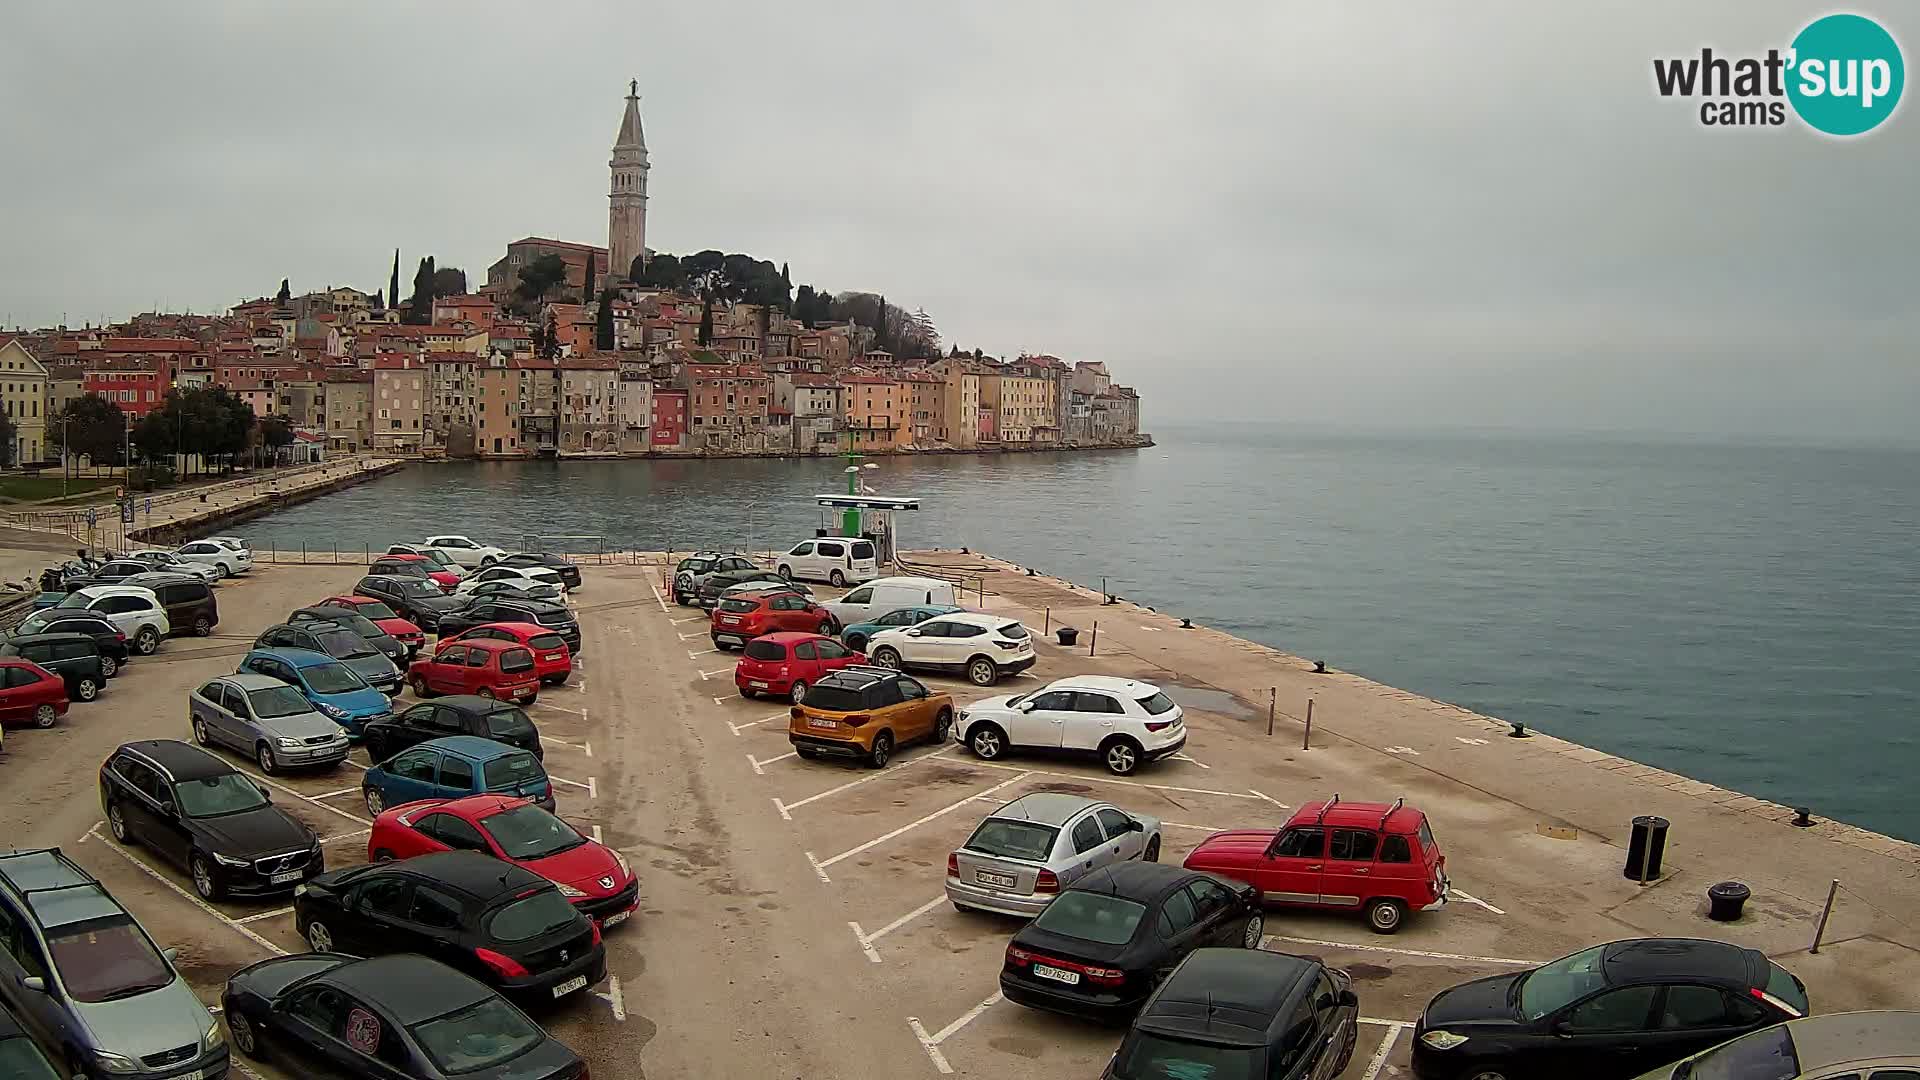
(595, 877)
(784, 665)
(445, 579)
(738, 619)
(1338, 856)
(552, 660)
(381, 616)
(492, 669)
(30, 693)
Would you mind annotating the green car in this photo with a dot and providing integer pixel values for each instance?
(855, 637)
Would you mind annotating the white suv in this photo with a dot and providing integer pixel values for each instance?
(222, 556)
(1122, 721)
(135, 610)
(513, 575)
(837, 560)
(982, 647)
(465, 551)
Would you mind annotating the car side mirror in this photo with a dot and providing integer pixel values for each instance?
(912, 632)
(1025, 706)
(265, 792)
(1561, 1029)
(34, 983)
(1349, 1000)
(1134, 825)
(169, 955)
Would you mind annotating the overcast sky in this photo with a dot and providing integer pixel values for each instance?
(1378, 215)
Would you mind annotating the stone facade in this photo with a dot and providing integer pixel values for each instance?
(627, 191)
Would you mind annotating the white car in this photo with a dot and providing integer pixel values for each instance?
(464, 551)
(220, 555)
(167, 561)
(980, 646)
(517, 575)
(882, 595)
(1122, 721)
(837, 560)
(136, 611)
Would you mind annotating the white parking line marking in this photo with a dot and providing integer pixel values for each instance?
(355, 764)
(259, 916)
(613, 998)
(1197, 828)
(1269, 798)
(716, 671)
(720, 701)
(1379, 1058)
(1402, 750)
(1469, 742)
(346, 835)
(1498, 961)
(306, 799)
(588, 786)
(867, 940)
(738, 728)
(692, 655)
(1472, 899)
(581, 713)
(192, 899)
(931, 1043)
(693, 618)
(656, 595)
(690, 637)
(1127, 783)
(817, 868)
(759, 770)
(331, 794)
(1185, 758)
(868, 779)
(912, 825)
(585, 748)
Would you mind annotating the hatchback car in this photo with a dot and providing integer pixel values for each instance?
(206, 817)
(380, 615)
(525, 576)
(866, 713)
(265, 719)
(688, 572)
(1020, 855)
(464, 550)
(985, 648)
(97, 986)
(501, 924)
(508, 590)
(737, 620)
(397, 1015)
(188, 601)
(388, 646)
(228, 558)
(552, 659)
(718, 582)
(492, 669)
(454, 766)
(1244, 1013)
(785, 665)
(594, 877)
(164, 561)
(432, 555)
(413, 566)
(332, 687)
(486, 718)
(136, 611)
(479, 611)
(111, 572)
(30, 694)
(1100, 947)
(416, 600)
(1612, 1010)
(1122, 722)
(1871, 1045)
(337, 640)
(568, 570)
(1344, 856)
(106, 635)
(73, 657)
(856, 635)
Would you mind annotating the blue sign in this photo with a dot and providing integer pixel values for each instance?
(126, 512)
(149, 504)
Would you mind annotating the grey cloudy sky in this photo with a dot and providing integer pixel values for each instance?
(1366, 214)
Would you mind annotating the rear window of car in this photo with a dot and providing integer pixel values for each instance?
(1012, 631)
(375, 610)
(1012, 839)
(737, 606)
(508, 723)
(512, 771)
(547, 641)
(530, 916)
(862, 550)
(1156, 704)
(516, 660)
(835, 699)
(1781, 985)
(1088, 916)
(1153, 1057)
(1426, 839)
(766, 650)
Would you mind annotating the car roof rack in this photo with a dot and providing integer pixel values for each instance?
(1321, 817)
(1397, 804)
(871, 669)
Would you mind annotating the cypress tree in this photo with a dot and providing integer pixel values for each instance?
(586, 290)
(603, 323)
(393, 284)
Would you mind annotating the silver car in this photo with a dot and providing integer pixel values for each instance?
(1021, 855)
(94, 981)
(265, 719)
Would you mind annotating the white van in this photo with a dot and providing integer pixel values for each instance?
(837, 560)
(876, 598)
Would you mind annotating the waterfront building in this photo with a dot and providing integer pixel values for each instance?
(926, 405)
(589, 405)
(727, 405)
(349, 395)
(957, 423)
(399, 404)
(668, 431)
(24, 393)
(636, 411)
(450, 386)
(879, 413)
(499, 388)
(137, 386)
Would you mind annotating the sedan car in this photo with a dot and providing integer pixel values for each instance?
(331, 686)
(1020, 855)
(485, 718)
(493, 920)
(106, 634)
(111, 572)
(552, 659)
(204, 816)
(265, 719)
(517, 590)
(491, 669)
(1875, 1044)
(221, 553)
(856, 635)
(1122, 722)
(568, 570)
(159, 559)
(465, 551)
(452, 766)
(596, 878)
(417, 1017)
(416, 600)
(415, 566)
(525, 576)
(480, 611)
(1100, 947)
(432, 555)
(337, 640)
(73, 657)
(984, 648)
(380, 615)
(1613, 1010)
(785, 665)
(30, 694)
(391, 647)
(707, 593)
(1243, 1013)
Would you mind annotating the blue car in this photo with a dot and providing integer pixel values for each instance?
(339, 694)
(454, 767)
(855, 637)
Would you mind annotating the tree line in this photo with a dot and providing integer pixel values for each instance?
(205, 422)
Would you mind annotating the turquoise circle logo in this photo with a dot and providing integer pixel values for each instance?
(1847, 75)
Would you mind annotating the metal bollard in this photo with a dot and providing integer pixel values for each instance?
(1820, 928)
(1306, 740)
(1095, 639)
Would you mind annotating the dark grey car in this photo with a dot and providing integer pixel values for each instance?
(265, 719)
(341, 642)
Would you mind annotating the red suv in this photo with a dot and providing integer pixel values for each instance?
(30, 693)
(552, 660)
(739, 619)
(784, 665)
(495, 669)
(1342, 856)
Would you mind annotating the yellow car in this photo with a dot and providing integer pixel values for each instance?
(868, 713)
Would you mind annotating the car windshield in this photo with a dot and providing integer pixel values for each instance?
(830, 698)
(1548, 989)
(415, 586)
(19, 1058)
(107, 959)
(480, 1035)
(1013, 839)
(359, 624)
(530, 916)
(504, 774)
(514, 660)
(1767, 1054)
(344, 644)
(732, 604)
(212, 796)
(1154, 1057)
(437, 558)
(331, 679)
(376, 610)
(508, 724)
(1088, 916)
(528, 832)
(74, 600)
(32, 624)
(1156, 704)
(278, 701)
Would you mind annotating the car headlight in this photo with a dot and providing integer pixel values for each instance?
(213, 1037)
(334, 711)
(570, 892)
(1442, 1040)
(226, 860)
(622, 860)
(288, 744)
(115, 1063)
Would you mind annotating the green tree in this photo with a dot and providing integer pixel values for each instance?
(537, 278)
(586, 287)
(422, 285)
(803, 305)
(9, 436)
(276, 433)
(393, 284)
(379, 300)
(448, 281)
(92, 427)
(550, 339)
(603, 323)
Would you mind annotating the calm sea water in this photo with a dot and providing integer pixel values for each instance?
(1746, 615)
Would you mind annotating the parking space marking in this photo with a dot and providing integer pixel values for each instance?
(584, 747)
(690, 637)
(818, 870)
(331, 794)
(307, 799)
(1379, 1058)
(355, 764)
(931, 1043)
(759, 766)
(1495, 961)
(912, 825)
(691, 655)
(613, 998)
(1269, 798)
(590, 786)
(1469, 898)
(345, 835)
(716, 671)
(660, 599)
(581, 712)
(187, 896)
(1190, 761)
(786, 808)
(261, 916)
(693, 618)
(867, 940)
(1248, 794)
(738, 728)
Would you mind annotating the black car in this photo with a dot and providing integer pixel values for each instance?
(569, 572)
(498, 922)
(206, 817)
(415, 599)
(20, 1059)
(188, 600)
(111, 572)
(73, 657)
(388, 645)
(343, 644)
(111, 640)
(1618, 1009)
(1103, 944)
(339, 1016)
(1243, 1012)
(707, 593)
(492, 609)
(463, 714)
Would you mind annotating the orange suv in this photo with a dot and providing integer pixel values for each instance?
(866, 713)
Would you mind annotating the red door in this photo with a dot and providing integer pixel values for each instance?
(1348, 878)
(444, 673)
(1294, 866)
(16, 691)
(833, 656)
(475, 673)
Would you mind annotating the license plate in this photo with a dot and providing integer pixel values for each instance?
(576, 983)
(829, 725)
(756, 684)
(196, 1074)
(988, 877)
(1071, 978)
(282, 879)
(554, 656)
(616, 918)
(729, 620)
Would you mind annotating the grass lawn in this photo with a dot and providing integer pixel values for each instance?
(25, 488)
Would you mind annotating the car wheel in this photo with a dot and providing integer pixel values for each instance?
(1250, 937)
(44, 716)
(485, 692)
(108, 665)
(1122, 756)
(225, 570)
(375, 804)
(882, 751)
(799, 692)
(838, 579)
(420, 687)
(749, 693)
(117, 825)
(486, 561)
(86, 688)
(200, 733)
(943, 726)
(887, 656)
(201, 627)
(856, 642)
(382, 855)
(242, 1031)
(1485, 1073)
(827, 629)
(982, 671)
(987, 742)
(723, 646)
(264, 755)
(147, 640)
(1385, 916)
(1152, 854)
(785, 571)
(203, 881)
(319, 937)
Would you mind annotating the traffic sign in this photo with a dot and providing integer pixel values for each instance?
(93, 516)
(149, 504)
(126, 512)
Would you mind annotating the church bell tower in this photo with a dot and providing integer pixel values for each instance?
(627, 195)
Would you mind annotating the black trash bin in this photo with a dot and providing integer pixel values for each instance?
(1649, 841)
(1067, 635)
(1725, 900)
